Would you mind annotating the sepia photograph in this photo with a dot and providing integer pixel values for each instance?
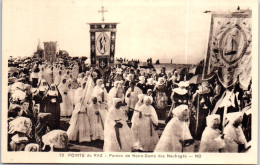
(147, 81)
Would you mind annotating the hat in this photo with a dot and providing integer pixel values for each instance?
(183, 84)
(142, 79)
(161, 81)
(150, 81)
(148, 98)
(129, 76)
(149, 90)
(180, 91)
(178, 110)
(211, 118)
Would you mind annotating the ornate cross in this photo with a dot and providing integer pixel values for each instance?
(93, 48)
(102, 64)
(113, 37)
(92, 37)
(112, 47)
(102, 11)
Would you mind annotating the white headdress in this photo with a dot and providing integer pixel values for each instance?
(150, 81)
(116, 100)
(142, 79)
(148, 98)
(211, 118)
(231, 117)
(178, 110)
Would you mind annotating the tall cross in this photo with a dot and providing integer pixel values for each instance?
(102, 11)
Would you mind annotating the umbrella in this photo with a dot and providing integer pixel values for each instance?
(196, 79)
(196, 70)
(193, 70)
(182, 71)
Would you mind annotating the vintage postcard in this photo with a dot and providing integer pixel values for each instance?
(130, 81)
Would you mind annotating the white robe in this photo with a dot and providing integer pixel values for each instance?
(97, 92)
(57, 80)
(133, 99)
(110, 141)
(233, 137)
(48, 75)
(71, 95)
(75, 71)
(66, 106)
(111, 95)
(96, 122)
(174, 131)
(143, 128)
(79, 128)
(211, 140)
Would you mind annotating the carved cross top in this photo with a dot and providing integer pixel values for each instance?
(102, 11)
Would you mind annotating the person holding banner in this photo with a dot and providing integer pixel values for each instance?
(79, 128)
(202, 103)
(212, 139)
(234, 136)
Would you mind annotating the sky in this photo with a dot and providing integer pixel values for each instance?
(158, 29)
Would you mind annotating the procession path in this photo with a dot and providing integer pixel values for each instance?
(97, 146)
(94, 146)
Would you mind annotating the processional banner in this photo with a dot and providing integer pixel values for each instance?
(229, 48)
(50, 50)
(102, 45)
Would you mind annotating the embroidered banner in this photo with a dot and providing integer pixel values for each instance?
(50, 50)
(102, 45)
(229, 48)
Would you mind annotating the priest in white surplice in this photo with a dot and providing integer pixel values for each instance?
(117, 134)
(176, 135)
(144, 124)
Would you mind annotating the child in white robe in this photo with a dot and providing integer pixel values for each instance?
(100, 92)
(233, 133)
(95, 119)
(176, 135)
(143, 125)
(117, 134)
(212, 139)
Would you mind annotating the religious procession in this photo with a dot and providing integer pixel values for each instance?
(56, 101)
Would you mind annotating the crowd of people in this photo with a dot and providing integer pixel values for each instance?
(123, 108)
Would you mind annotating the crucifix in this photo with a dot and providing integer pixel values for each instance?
(102, 11)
